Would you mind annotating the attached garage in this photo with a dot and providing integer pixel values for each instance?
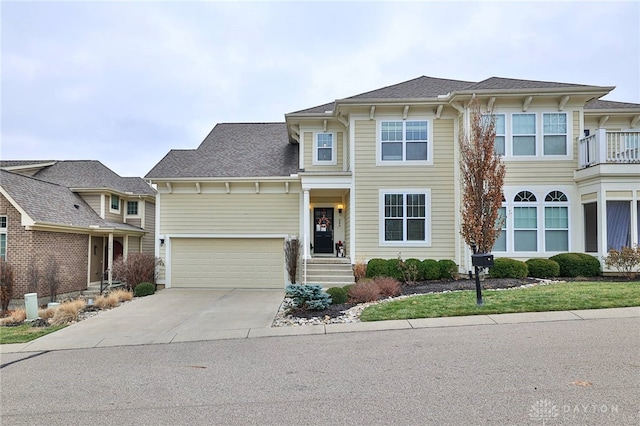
(227, 262)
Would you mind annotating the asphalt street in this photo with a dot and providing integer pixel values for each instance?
(564, 372)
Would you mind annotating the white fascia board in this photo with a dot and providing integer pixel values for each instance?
(25, 219)
(234, 236)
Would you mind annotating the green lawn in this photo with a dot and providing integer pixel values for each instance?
(25, 333)
(553, 297)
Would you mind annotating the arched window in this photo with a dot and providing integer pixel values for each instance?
(556, 222)
(525, 222)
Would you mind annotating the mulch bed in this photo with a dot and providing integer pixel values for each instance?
(424, 287)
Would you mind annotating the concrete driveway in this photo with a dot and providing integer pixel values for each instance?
(171, 315)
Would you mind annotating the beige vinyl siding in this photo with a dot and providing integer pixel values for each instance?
(439, 178)
(613, 124)
(93, 200)
(148, 240)
(134, 244)
(230, 213)
(109, 215)
(558, 172)
(134, 221)
(309, 146)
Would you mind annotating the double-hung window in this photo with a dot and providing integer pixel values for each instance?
(404, 140)
(132, 208)
(325, 149)
(525, 222)
(556, 222)
(554, 127)
(3, 237)
(523, 129)
(115, 203)
(499, 143)
(404, 217)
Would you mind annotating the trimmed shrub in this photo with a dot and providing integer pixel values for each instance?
(387, 286)
(377, 268)
(505, 267)
(338, 295)
(142, 289)
(448, 269)
(577, 265)
(430, 269)
(409, 270)
(363, 291)
(543, 268)
(394, 269)
(309, 297)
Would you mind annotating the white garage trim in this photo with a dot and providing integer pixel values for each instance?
(168, 248)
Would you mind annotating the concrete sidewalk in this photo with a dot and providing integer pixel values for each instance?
(184, 315)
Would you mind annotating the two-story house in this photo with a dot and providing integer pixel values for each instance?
(379, 172)
(79, 213)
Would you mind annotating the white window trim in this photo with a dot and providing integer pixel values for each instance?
(409, 163)
(111, 209)
(539, 156)
(126, 211)
(334, 151)
(540, 192)
(428, 217)
(566, 204)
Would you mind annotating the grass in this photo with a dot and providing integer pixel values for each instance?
(554, 297)
(25, 333)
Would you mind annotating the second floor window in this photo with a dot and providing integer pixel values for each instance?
(404, 140)
(132, 208)
(115, 203)
(554, 133)
(325, 149)
(524, 134)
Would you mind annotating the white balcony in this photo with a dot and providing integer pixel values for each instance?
(605, 147)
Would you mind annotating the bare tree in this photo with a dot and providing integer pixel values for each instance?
(482, 173)
(292, 256)
(6, 284)
(33, 277)
(52, 276)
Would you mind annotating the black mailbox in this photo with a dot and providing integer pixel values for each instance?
(482, 260)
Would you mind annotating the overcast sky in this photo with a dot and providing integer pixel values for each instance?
(125, 82)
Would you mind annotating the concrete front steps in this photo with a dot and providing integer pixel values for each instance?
(329, 271)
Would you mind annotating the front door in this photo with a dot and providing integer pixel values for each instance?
(323, 230)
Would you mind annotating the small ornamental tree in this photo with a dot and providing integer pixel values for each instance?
(482, 174)
(292, 257)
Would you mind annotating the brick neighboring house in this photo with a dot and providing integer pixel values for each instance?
(79, 213)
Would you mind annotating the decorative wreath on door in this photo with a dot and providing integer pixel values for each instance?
(324, 222)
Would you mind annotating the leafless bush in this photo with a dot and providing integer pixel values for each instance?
(135, 269)
(292, 257)
(360, 269)
(363, 291)
(52, 277)
(6, 284)
(33, 277)
(624, 261)
(387, 286)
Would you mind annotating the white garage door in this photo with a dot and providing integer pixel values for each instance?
(227, 262)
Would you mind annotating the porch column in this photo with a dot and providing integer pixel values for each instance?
(306, 223)
(110, 257)
(125, 251)
(601, 146)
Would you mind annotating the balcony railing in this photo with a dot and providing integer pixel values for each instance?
(605, 147)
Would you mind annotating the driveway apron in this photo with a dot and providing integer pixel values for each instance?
(171, 315)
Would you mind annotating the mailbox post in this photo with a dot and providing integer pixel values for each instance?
(480, 260)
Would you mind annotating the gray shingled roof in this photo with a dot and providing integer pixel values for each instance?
(50, 203)
(13, 163)
(320, 109)
(600, 104)
(421, 87)
(499, 83)
(90, 174)
(234, 150)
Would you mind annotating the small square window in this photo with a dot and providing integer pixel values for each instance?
(132, 208)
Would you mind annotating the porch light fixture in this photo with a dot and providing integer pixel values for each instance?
(340, 207)
(161, 241)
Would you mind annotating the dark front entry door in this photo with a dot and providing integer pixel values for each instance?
(323, 230)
